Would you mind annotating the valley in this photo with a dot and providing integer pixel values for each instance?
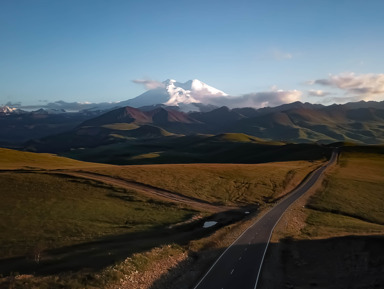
(109, 196)
(191, 144)
(57, 210)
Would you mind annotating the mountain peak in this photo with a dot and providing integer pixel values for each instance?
(192, 91)
(184, 95)
(169, 81)
(8, 110)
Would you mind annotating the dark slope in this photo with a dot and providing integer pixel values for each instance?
(291, 123)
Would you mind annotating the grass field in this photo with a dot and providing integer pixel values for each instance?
(47, 210)
(229, 184)
(333, 239)
(12, 159)
(352, 197)
(41, 209)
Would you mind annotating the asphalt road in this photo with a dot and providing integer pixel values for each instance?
(240, 264)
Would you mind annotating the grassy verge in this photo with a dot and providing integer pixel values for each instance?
(352, 198)
(331, 237)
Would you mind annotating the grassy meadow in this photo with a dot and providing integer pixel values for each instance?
(39, 209)
(13, 159)
(226, 184)
(42, 209)
(351, 199)
(338, 228)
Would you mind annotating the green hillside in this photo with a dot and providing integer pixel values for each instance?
(13, 159)
(223, 148)
(51, 211)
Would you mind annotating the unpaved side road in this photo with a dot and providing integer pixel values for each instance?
(150, 191)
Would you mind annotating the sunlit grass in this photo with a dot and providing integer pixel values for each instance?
(121, 126)
(219, 183)
(13, 159)
(351, 199)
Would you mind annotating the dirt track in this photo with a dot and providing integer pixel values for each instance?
(150, 191)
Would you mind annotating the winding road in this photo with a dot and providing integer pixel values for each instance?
(240, 264)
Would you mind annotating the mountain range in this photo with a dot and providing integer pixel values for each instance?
(193, 95)
(173, 115)
(290, 123)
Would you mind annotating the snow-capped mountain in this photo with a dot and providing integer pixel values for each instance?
(192, 91)
(193, 95)
(9, 110)
(177, 94)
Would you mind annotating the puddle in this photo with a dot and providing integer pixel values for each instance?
(209, 224)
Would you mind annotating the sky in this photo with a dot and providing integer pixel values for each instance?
(320, 51)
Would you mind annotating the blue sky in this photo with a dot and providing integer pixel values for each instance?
(92, 50)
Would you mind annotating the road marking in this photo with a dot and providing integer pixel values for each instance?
(316, 175)
(232, 271)
(239, 258)
(317, 172)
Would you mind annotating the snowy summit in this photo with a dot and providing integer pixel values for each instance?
(8, 110)
(192, 91)
(173, 93)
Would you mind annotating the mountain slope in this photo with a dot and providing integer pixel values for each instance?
(326, 124)
(292, 123)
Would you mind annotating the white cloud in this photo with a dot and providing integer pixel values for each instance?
(149, 84)
(258, 99)
(357, 87)
(318, 93)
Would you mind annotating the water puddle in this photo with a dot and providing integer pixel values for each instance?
(209, 224)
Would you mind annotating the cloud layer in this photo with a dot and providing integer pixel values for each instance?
(318, 93)
(356, 87)
(149, 84)
(258, 99)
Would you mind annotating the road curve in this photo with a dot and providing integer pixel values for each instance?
(240, 264)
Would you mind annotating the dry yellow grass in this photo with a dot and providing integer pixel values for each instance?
(328, 233)
(219, 183)
(349, 200)
(12, 159)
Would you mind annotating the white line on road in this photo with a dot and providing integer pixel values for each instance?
(302, 186)
(232, 271)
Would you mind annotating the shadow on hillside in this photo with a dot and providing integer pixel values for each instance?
(342, 262)
(95, 255)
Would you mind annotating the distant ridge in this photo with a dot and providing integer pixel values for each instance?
(291, 123)
(129, 115)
